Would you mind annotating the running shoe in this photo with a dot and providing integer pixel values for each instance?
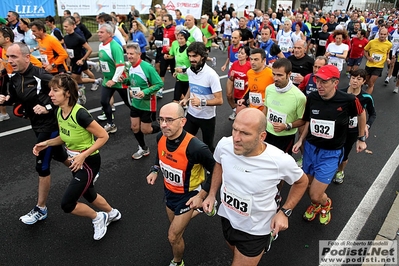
(100, 225)
(160, 93)
(140, 153)
(311, 212)
(232, 116)
(96, 84)
(110, 128)
(396, 90)
(339, 177)
(325, 215)
(81, 95)
(97, 66)
(114, 216)
(173, 263)
(113, 108)
(4, 117)
(213, 61)
(299, 162)
(103, 117)
(36, 214)
(387, 80)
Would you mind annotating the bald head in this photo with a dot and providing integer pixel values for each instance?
(172, 108)
(253, 117)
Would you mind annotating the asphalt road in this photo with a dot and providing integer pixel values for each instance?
(140, 237)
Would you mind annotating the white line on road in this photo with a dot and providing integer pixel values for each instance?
(361, 214)
(97, 109)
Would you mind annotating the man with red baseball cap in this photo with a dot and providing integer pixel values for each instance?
(327, 115)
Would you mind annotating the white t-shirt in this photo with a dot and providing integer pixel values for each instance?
(337, 49)
(203, 85)
(284, 40)
(196, 33)
(249, 185)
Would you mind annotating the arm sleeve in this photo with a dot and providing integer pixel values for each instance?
(200, 153)
(142, 41)
(84, 118)
(154, 79)
(86, 32)
(371, 111)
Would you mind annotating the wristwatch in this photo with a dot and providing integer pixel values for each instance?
(53, 65)
(287, 212)
(48, 107)
(362, 138)
(203, 102)
(288, 126)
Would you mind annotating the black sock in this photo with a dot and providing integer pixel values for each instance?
(140, 139)
(155, 128)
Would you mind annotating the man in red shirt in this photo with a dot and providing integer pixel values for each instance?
(356, 53)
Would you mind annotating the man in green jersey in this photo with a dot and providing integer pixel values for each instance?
(112, 64)
(143, 82)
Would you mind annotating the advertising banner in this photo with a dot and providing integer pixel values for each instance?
(192, 7)
(239, 5)
(28, 9)
(94, 7)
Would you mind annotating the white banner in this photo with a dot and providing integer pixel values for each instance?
(94, 7)
(192, 7)
(284, 4)
(340, 5)
(239, 5)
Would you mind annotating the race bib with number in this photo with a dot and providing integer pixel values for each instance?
(284, 49)
(322, 128)
(165, 42)
(44, 59)
(239, 84)
(322, 42)
(255, 98)
(276, 117)
(377, 57)
(335, 61)
(72, 153)
(235, 201)
(293, 75)
(353, 122)
(158, 44)
(70, 53)
(133, 92)
(104, 66)
(172, 175)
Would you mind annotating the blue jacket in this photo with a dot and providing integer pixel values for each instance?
(139, 38)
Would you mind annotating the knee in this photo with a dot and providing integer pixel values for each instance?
(135, 128)
(173, 238)
(68, 207)
(315, 196)
(41, 170)
(146, 130)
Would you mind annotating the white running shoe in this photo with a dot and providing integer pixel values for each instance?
(160, 93)
(140, 153)
(396, 90)
(110, 128)
(100, 226)
(213, 61)
(232, 117)
(4, 117)
(36, 214)
(114, 216)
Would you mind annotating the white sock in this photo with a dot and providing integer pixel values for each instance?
(234, 109)
(91, 63)
(42, 208)
(98, 217)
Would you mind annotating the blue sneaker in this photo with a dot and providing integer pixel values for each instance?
(36, 214)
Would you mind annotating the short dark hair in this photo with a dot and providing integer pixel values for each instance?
(170, 18)
(67, 11)
(198, 48)
(15, 14)
(105, 17)
(7, 33)
(259, 51)
(246, 50)
(283, 62)
(39, 25)
(359, 72)
(50, 19)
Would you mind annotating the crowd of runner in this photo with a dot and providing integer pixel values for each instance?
(284, 68)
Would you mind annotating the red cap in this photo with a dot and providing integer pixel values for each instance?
(328, 72)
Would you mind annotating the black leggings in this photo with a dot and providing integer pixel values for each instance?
(106, 94)
(207, 127)
(82, 184)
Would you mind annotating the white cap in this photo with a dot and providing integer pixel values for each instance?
(204, 16)
(158, 6)
(251, 14)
